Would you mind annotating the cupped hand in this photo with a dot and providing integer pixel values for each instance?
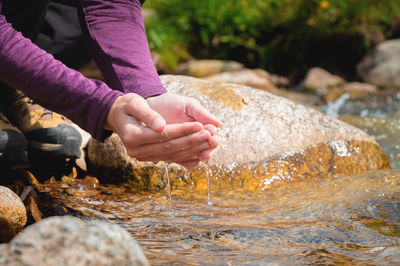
(179, 109)
(147, 136)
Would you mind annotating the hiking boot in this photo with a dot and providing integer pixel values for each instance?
(45, 131)
(12, 143)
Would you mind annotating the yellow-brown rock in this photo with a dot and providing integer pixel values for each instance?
(264, 139)
(203, 68)
(12, 208)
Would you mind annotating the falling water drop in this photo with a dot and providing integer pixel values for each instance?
(171, 204)
(208, 185)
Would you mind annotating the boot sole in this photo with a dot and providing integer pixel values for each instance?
(63, 140)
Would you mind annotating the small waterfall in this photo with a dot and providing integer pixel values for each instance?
(333, 108)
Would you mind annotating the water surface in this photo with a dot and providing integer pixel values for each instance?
(353, 219)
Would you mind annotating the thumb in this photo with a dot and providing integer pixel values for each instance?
(139, 108)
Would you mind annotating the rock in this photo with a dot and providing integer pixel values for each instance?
(68, 240)
(356, 90)
(203, 68)
(320, 79)
(263, 138)
(7, 231)
(12, 208)
(308, 99)
(382, 66)
(253, 78)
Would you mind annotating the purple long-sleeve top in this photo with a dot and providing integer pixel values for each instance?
(116, 38)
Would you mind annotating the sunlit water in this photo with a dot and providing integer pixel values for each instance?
(342, 220)
(352, 219)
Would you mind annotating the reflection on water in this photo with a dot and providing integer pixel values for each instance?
(352, 219)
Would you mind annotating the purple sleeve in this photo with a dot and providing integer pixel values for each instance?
(117, 40)
(53, 85)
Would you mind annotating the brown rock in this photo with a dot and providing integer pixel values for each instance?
(253, 78)
(7, 231)
(70, 241)
(12, 208)
(263, 138)
(356, 90)
(203, 68)
(382, 66)
(318, 78)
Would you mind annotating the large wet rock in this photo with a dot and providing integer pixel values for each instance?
(68, 240)
(12, 208)
(382, 66)
(263, 138)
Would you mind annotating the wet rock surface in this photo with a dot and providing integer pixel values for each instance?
(70, 241)
(263, 138)
(12, 208)
(382, 66)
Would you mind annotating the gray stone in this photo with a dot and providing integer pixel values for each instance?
(12, 208)
(382, 66)
(67, 240)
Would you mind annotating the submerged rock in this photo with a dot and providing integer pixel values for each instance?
(203, 68)
(12, 208)
(68, 240)
(382, 66)
(263, 138)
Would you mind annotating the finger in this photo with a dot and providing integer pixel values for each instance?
(188, 154)
(211, 128)
(205, 155)
(201, 114)
(171, 131)
(213, 142)
(139, 108)
(173, 145)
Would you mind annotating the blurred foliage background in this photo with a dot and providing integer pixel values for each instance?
(281, 36)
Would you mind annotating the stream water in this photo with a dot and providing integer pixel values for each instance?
(338, 220)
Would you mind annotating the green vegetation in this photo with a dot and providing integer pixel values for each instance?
(274, 34)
